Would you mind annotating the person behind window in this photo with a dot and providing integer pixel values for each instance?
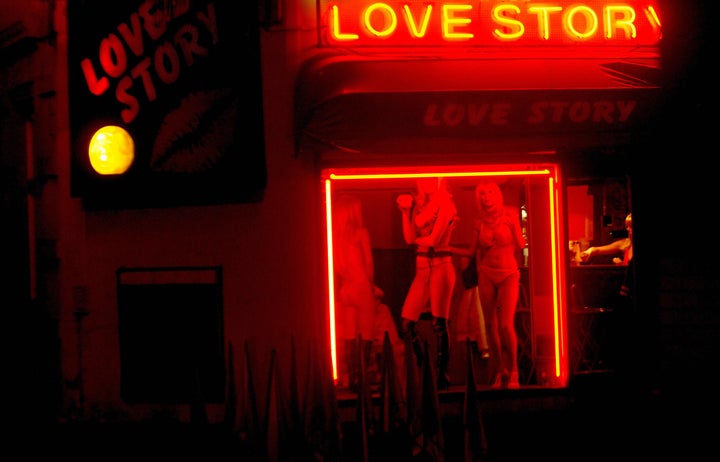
(355, 292)
(629, 321)
(427, 223)
(623, 248)
(620, 247)
(497, 238)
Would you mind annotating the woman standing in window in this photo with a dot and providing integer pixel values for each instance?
(497, 237)
(355, 290)
(427, 223)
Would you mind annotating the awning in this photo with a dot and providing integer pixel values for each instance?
(351, 104)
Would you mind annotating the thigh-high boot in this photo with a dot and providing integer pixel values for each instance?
(443, 353)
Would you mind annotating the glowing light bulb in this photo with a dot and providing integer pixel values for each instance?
(111, 150)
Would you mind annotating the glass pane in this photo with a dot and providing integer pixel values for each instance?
(364, 207)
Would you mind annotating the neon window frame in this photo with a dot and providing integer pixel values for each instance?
(334, 179)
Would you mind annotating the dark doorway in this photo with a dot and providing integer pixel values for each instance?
(171, 335)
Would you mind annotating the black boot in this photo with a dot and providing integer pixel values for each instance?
(443, 353)
(412, 339)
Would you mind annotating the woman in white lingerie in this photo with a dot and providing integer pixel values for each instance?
(497, 237)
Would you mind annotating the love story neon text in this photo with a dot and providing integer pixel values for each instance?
(491, 22)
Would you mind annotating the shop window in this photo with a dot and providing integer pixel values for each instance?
(171, 335)
(530, 191)
(597, 211)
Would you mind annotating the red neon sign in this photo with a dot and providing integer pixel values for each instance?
(413, 23)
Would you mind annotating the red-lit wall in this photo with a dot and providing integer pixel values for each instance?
(270, 252)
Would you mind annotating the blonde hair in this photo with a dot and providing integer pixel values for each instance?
(347, 215)
(497, 193)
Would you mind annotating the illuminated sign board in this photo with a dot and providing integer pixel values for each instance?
(486, 23)
(182, 80)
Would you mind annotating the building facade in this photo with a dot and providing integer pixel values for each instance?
(121, 298)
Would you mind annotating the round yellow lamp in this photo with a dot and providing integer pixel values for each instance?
(111, 150)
